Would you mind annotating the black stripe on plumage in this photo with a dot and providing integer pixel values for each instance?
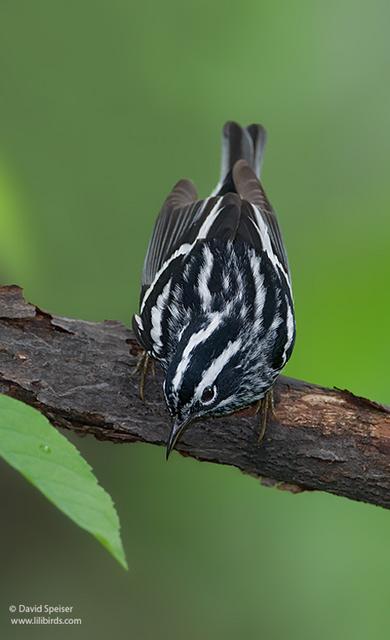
(231, 269)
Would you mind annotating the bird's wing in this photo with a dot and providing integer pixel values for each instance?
(257, 210)
(168, 227)
(183, 220)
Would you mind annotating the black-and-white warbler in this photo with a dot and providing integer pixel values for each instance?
(216, 307)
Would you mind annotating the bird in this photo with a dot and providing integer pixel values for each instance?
(216, 305)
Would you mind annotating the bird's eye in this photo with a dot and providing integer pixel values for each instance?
(208, 394)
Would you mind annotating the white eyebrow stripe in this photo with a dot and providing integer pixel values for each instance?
(185, 248)
(204, 277)
(197, 338)
(213, 371)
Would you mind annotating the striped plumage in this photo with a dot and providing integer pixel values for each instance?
(216, 304)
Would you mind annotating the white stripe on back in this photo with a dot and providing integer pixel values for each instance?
(204, 277)
(184, 249)
(290, 331)
(210, 219)
(255, 262)
(181, 251)
(156, 316)
(262, 230)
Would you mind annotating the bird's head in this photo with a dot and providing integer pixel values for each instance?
(205, 373)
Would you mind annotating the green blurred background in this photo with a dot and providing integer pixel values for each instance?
(103, 106)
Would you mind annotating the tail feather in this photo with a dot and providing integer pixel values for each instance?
(259, 138)
(239, 143)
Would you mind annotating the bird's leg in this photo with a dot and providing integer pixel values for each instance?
(145, 362)
(265, 410)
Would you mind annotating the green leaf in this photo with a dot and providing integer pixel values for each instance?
(30, 444)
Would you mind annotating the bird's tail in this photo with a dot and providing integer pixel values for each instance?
(239, 143)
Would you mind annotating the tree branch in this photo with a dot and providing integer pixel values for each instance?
(81, 376)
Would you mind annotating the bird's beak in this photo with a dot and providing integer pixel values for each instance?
(177, 429)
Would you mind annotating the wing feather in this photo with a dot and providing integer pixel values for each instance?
(250, 188)
(182, 222)
(174, 216)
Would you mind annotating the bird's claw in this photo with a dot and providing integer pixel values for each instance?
(265, 409)
(144, 364)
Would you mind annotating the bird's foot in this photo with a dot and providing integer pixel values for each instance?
(144, 365)
(265, 411)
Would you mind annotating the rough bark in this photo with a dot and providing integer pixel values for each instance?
(81, 376)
